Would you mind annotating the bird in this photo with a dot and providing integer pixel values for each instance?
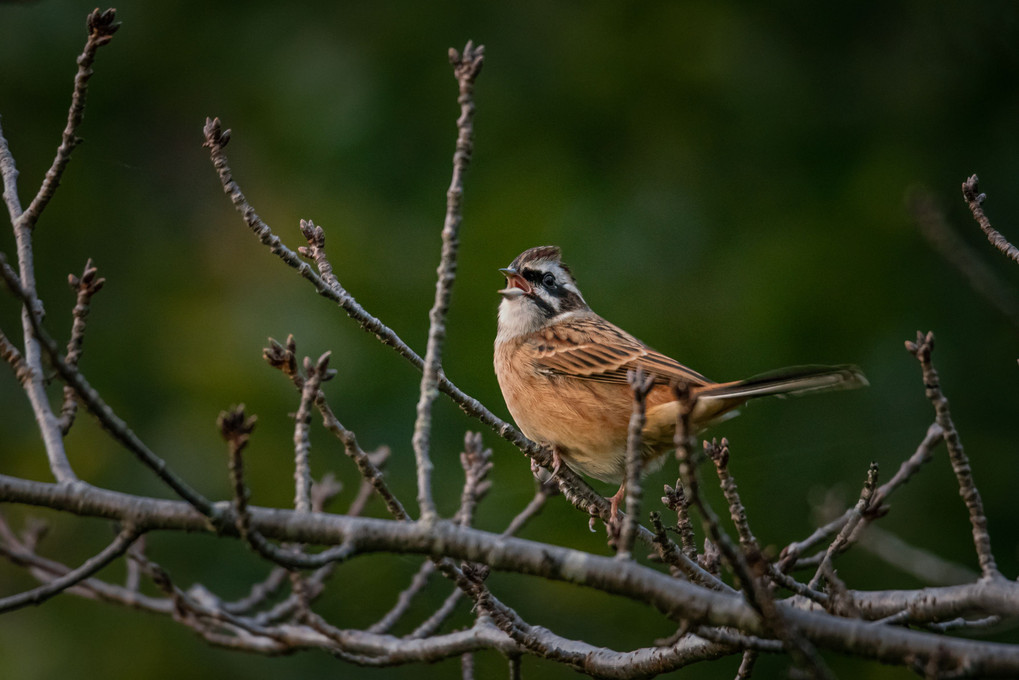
(563, 369)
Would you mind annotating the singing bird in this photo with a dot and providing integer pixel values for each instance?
(563, 370)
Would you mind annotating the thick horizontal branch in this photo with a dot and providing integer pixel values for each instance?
(676, 599)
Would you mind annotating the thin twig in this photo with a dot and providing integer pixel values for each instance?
(476, 462)
(842, 540)
(514, 666)
(922, 349)
(640, 384)
(85, 286)
(365, 490)
(931, 222)
(259, 592)
(746, 665)
(719, 454)
(909, 467)
(284, 358)
(404, 599)
(668, 551)
(9, 173)
(366, 466)
(466, 68)
(10, 354)
(975, 200)
(316, 374)
(101, 27)
(36, 596)
(676, 500)
(236, 427)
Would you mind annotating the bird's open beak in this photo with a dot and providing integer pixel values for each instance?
(516, 285)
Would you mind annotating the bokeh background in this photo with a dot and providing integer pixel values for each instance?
(727, 180)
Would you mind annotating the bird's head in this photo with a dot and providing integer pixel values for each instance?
(539, 290)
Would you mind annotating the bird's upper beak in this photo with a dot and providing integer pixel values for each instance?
(516, 285)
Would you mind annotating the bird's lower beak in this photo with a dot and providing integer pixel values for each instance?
(516, 285)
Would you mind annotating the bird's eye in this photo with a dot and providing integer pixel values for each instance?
(548, 280)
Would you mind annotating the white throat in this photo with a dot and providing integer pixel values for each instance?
(517, 317)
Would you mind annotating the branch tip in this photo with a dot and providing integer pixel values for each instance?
(102, 25)
(282, 357)
(215, 135)
(235, 426)
(971, 190)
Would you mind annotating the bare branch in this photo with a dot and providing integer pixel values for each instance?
(746, 665)
(466, 68)
(284, 358)
(922, 349)
(975, 200)
(931, 222)
(118, 547)
(101, 27)
(676, 598)
(675, 499)
(476, 462)
(842, 540)
(405, 599)
(640, 384)
(10, 354)
(22, 284)
(924, 452)
(316, 374)
(87, 285)
(9, 174)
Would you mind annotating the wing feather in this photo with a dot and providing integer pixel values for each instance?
(594, 349)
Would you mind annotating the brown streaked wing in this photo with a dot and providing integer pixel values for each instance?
(594, 349)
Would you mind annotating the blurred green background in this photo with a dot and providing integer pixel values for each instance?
(726, 179)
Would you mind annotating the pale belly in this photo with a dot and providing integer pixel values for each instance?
(586, 421)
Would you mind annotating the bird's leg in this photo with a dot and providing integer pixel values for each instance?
(614, 522)
(617, 499)
(543, 475)
(557, 461)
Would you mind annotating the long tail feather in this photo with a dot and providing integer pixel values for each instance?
(794, 380)
(719, 401)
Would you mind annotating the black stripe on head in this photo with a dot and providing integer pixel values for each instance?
(547, 310)
(571, 302)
